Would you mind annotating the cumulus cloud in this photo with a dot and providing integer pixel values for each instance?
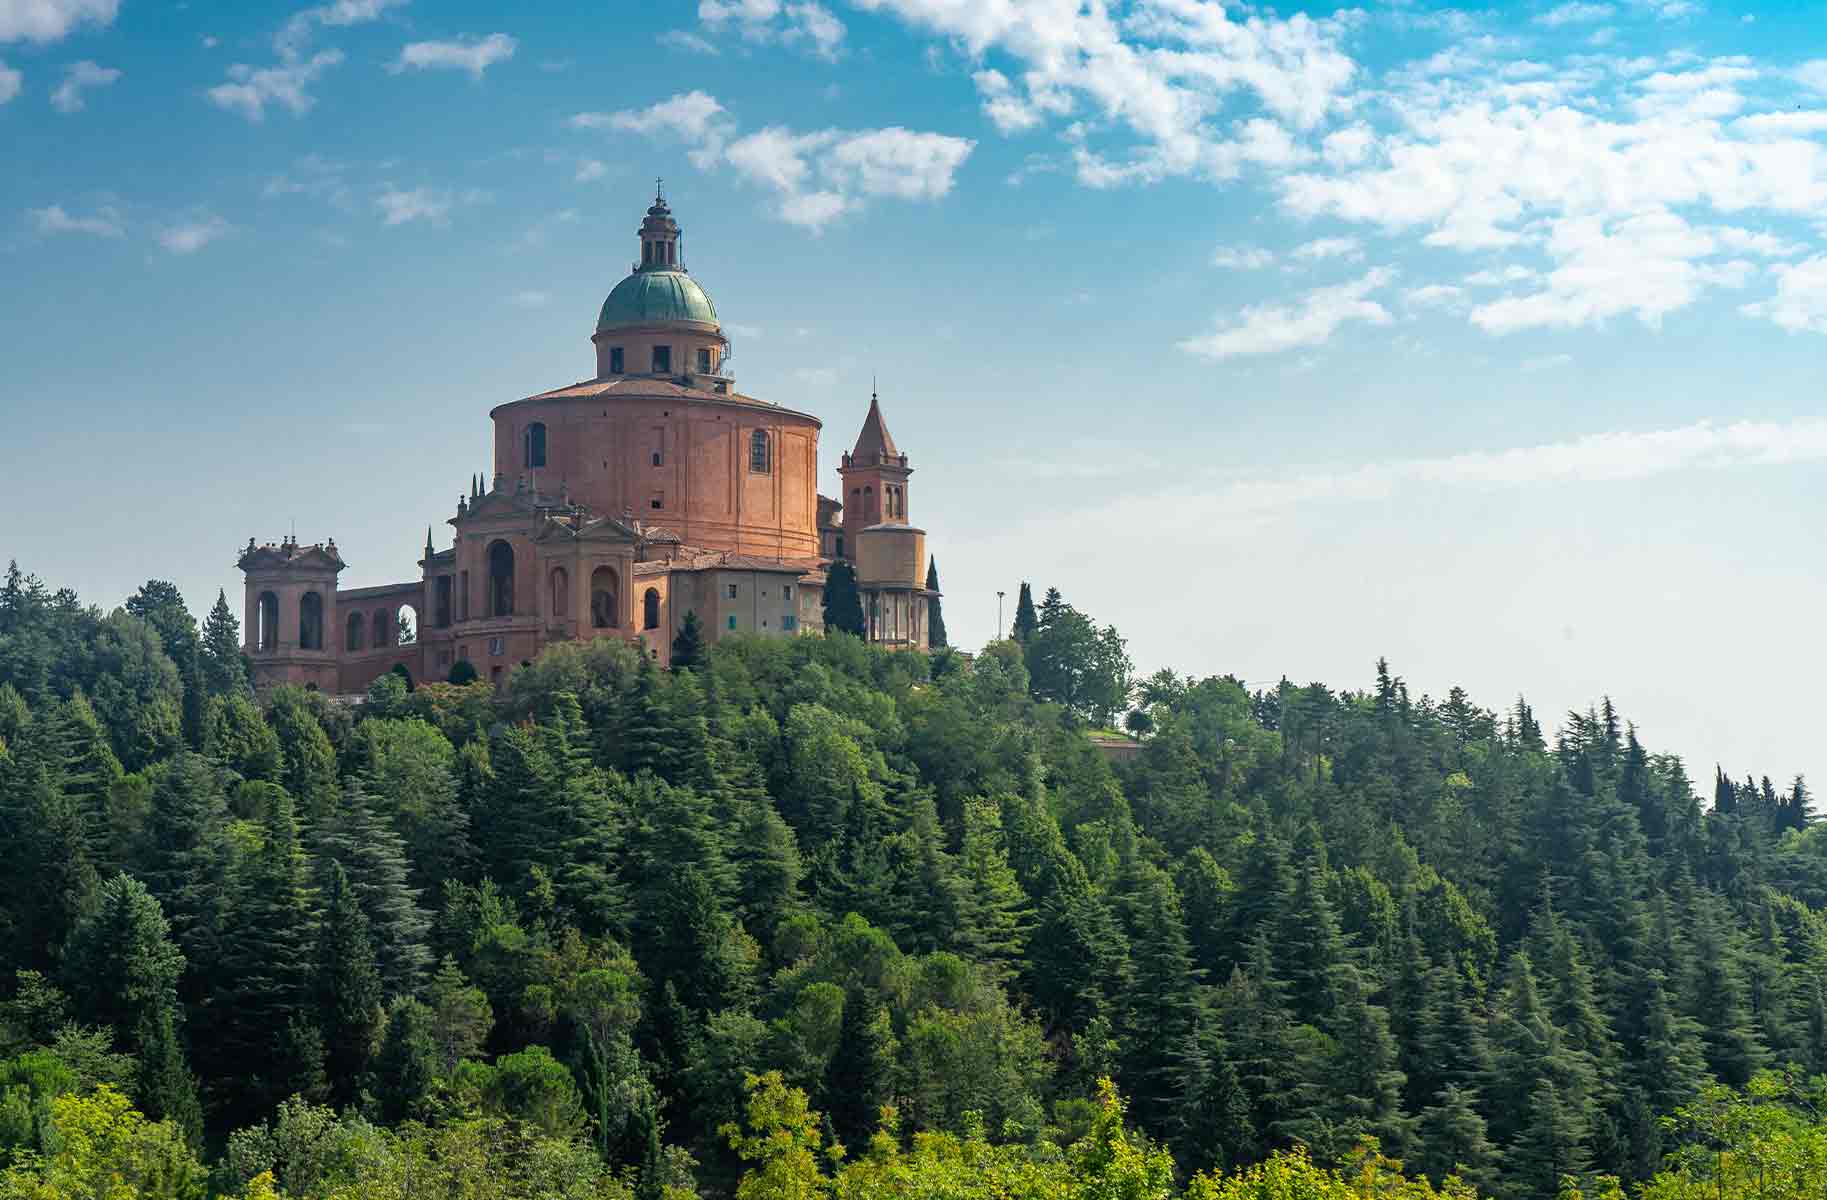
(78, 77)
(297, 32)
(250, 89)
(191, 236)
(816, 176)
(1800, 303)
(52, 20)
(104, 222)
(804, 23)
(474, 55)
(1575, 13)
(1272, 328)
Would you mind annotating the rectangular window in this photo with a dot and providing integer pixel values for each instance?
(704, 359)
(732, 591)
(658, 501)
(789, 623)
(662, 360)
(786, 592)
(615, 360)
(496, 647)
(732, 622)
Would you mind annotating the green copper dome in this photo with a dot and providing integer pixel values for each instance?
(656, 296)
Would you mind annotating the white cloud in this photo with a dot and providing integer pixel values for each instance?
(1433, 295)
(52, 20)
(297, 32)
(1812, 75)
(1161, 73)
(591, 168)
(1575, 14)
(420, 204)
(681, 39)
(10, 83)
(742, 331)
(1272, 328)
(1647, 265)
(530, 299)
(1594, 458)
(1800, 303)
(193, 235)
(474, 55)
(54, 220)
(67, 98)
(1331, 247)
(1782, 124)
(1242, 258)
(817, 176)
(789, 22)
(249, 89)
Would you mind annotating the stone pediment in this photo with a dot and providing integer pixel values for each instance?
(602, 529)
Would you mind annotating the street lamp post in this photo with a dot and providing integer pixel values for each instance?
(999, 596)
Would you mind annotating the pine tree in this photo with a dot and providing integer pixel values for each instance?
(1160, 1006)
(260, 1045)
(165, 1090)
(935, 614)
(347, 985)
(1027, 623)
(224, 667)
(843, 604)
(1365, 1077)
(461, 1016)
(374, 856)
(181, 861)
(406, 1068)
(998, 917)
(44, 854)
(1453, 1141)
(88, 773)
(688, 646)
(121, 964)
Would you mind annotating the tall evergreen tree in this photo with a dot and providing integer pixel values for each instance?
(122, 965)
(1161, 1007)
(688, 646)
(224, 666)
(843, 604)
(1026, 620)
(347, 985)
(935, 613)
(374, 856)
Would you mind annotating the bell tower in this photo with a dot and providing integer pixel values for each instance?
(291, 629)
(875, 478)
(888, 551)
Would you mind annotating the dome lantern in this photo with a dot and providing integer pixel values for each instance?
(659, 236)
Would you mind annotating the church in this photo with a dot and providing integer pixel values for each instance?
(617, 506)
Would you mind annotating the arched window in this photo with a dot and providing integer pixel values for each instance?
(405, 625)
(310, 621)
(500, 580)
(383, 628)
(760, 457)
(535, 438)
(266, 617)
(605, 599)
(560, 588)
(650, 609)
(352, 632)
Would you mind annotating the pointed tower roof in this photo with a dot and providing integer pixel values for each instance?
(874, 443)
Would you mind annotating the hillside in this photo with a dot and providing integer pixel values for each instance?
(570, 938)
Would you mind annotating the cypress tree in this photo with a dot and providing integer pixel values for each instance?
(1027, 622)
(843, 604)
(935, 614)
(347, 985)
(688, 646)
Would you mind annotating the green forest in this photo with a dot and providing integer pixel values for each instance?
(802, 919)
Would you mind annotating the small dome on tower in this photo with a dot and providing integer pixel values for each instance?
(659, 291)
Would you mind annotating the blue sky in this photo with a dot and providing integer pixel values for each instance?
(1486, 339)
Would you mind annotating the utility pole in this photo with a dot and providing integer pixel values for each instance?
(999, 596)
